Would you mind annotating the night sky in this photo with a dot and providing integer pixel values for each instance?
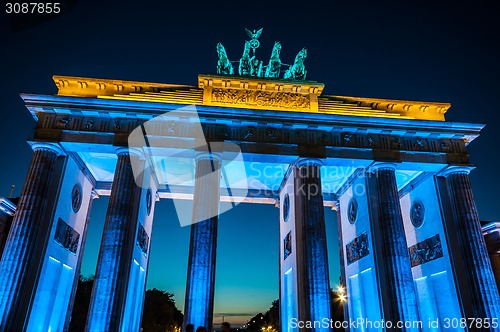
(401, 50)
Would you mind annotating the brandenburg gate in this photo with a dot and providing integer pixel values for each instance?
(395, 172)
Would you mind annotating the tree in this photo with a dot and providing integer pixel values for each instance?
(256, 323)
(160, 313)
(82, 303)
(272, 316)
(268, 322)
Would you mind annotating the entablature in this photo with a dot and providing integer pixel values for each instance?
(83, 116)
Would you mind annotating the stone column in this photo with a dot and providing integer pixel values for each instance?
(24, 235)
(398, 291)
(314, 274)
(481, 281)
(200, 284)
(110, 286)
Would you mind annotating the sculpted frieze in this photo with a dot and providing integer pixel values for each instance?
(261, 98)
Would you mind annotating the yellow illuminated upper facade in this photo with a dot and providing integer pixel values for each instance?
(252, 93)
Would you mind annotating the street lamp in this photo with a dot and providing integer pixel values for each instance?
(341, 292)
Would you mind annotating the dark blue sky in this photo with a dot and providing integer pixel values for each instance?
(403, 50)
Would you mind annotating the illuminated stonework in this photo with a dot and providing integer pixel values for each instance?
(357, 248)
(260, 99)
(142, 240)
(202, 95)
(260, 93)
(426, 251)
(287, 245)
(66, 236)
(374, 152)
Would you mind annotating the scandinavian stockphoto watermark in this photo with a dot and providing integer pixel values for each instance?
(367, 324)
(356, 324)
(170, 144)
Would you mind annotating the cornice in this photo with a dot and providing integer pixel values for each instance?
(249, 92)
(409, 108)
(93, 87)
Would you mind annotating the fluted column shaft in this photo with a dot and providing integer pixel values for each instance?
(399, 287)
(26, 225)
(200, 284)
(309, 207)
(110, 286)
(483, 290)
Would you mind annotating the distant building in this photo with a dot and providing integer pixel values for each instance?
(491, 232)
(7, 209)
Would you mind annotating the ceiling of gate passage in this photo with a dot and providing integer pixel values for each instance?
(176, 174)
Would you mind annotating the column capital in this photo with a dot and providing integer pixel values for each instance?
(277, 203)
(381, 165)
(208, 155)
(54, 147)
(7, 206)
(94, 194)
(130, 151)
(492, 227)
(452, 169)
(309, 162)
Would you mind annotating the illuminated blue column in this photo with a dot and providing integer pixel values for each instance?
(19, 256)
(109, 293)
(314, 280)
(199, 303)
(397, 288)
(481, 281)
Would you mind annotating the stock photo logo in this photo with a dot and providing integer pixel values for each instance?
(177, 152)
